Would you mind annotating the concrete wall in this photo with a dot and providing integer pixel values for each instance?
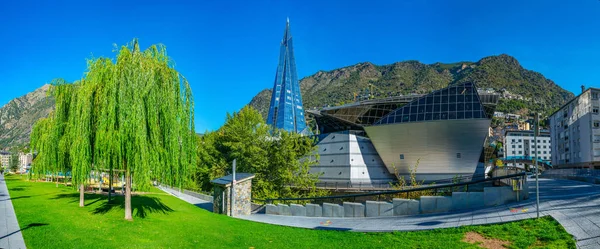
(491, 196)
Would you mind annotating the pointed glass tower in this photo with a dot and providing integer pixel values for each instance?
(286, 111)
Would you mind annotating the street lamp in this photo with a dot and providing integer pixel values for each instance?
(537, 170)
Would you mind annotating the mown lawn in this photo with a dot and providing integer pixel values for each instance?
(50, 218)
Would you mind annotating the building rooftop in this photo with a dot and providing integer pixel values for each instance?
(576, 97)
(239, 177)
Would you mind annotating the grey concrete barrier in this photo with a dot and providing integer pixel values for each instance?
(379, 208)
(493, 196)
(271, 209)
(284, 209)
(460, 200)
(435, 204)
(298, 210)
(332, 210)
(314, 210)
(475, 200)
(352, 209)
(406, 206)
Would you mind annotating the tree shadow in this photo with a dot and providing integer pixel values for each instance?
(18, 197)
(16, 189)
(75, 198)
(25, 228)
(141, 206)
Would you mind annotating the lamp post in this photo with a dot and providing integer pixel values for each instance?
(537, 170)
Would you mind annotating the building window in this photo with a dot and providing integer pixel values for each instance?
(594, 95)
(513, 140)
(513, 146)
(519, 140)
(401, 156)
(596, 124)
(520, 152)
(595, 110)
(519, 146)
(458, 155)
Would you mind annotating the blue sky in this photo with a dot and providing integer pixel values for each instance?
(228, 50)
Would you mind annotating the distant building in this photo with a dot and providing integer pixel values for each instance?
(575, 132)
(524, 126)
(499, 115)
(5, 159)
(520, 143)
(512, 116)
(25, 160)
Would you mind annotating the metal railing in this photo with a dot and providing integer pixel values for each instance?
(365, 186)
(389, 195)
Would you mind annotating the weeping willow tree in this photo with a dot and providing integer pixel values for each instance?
(145, 125)
(50, 136)
(134, 115)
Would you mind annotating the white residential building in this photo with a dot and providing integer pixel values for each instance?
(520, 143)
(25, 160)
(5, 159)
(575, 131)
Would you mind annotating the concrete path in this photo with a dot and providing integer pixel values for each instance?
(10, 233)
(575, 205)
(206, 205)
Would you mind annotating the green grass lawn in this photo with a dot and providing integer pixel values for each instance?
(50, 217)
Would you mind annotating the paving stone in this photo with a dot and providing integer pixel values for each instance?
(314, 210)
(298, 210)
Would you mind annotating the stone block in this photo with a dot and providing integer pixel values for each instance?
(435, 204)
(379, 208)
(475, 200)
(332, 210)
(352, 209)
(460, 200)
(271, 209)
(406, 206)
(314, 210)
(493, 196)
(284, 209)
(298, 210)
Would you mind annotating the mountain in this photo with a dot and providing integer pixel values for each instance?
(524, 90)
(18, 116)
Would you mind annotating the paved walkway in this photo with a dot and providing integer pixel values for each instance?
(575, 205)
(10, 233)
(206, 205)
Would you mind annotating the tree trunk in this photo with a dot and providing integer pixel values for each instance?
(110, 177)
(81, 196)
(128, 196)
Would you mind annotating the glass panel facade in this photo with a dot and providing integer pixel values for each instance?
(455, 102)
(286, 110)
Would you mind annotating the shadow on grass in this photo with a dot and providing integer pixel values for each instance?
(141, 205)
(25, 228)
(16, 198)
(16, 189)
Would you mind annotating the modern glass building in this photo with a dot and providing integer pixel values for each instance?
(441, 133)
(286, 111)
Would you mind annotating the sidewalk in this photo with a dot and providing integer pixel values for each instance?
(10, 233)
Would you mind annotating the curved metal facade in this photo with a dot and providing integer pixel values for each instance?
(443, 148)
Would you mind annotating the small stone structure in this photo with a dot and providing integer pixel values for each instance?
(243, 194)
